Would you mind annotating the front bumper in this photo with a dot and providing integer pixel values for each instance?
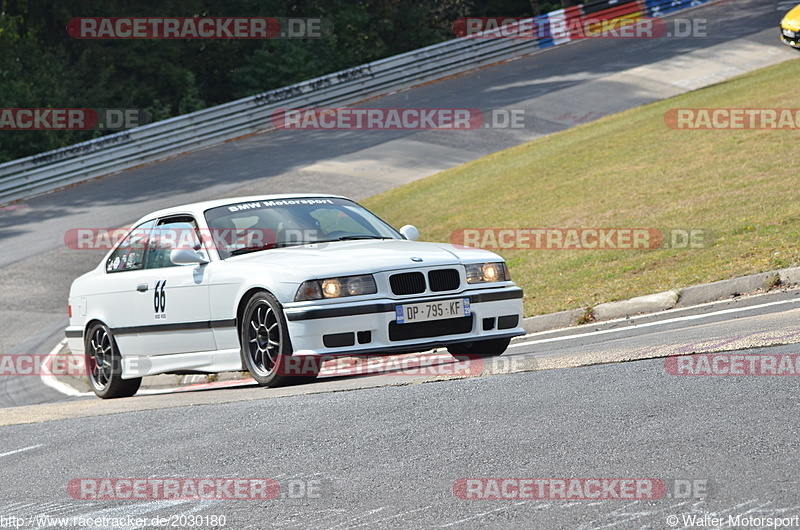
(790, 38)
(370, 326)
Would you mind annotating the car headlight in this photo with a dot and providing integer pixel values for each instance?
(336, 287)
(488, 272)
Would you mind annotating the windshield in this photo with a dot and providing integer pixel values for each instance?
(239, 228)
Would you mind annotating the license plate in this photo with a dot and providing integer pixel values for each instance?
(424, 311)
(788, 33)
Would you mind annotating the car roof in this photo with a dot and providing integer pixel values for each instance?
(198, 208)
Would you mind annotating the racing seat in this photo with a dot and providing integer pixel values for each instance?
(224, 235)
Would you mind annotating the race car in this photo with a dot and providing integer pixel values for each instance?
(258, 283)
(790, 28)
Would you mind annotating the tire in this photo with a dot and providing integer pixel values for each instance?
(479, 348)
(264, 336)
(104, 365)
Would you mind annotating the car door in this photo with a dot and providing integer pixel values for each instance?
(172, 308)
(116, 292)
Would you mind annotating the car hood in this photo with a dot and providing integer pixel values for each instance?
(792, 19)
(364, 257)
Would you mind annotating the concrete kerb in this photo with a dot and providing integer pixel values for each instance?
(676, 298)
(651, 303)
(559, 320)
(700, 294)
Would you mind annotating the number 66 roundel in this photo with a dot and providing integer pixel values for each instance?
(160, 297)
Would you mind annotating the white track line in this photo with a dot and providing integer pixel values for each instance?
(19, 450)
(50, 380)
(646, 324)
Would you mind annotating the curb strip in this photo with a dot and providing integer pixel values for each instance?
(677, 298)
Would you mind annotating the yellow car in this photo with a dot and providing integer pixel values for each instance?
(790, 28)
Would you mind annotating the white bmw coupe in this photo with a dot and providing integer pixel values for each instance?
(255, 283)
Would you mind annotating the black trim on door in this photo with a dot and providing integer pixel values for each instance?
(183, 326)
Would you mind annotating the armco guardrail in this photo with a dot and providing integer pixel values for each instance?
(33, 175)
(62, 167)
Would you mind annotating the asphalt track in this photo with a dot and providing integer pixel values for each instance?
(387, 449)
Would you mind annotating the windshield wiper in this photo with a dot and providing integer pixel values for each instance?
(354, 237)
(247, 250)
(281, 244)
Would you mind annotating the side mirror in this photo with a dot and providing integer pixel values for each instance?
(186, 256)
(410, 232)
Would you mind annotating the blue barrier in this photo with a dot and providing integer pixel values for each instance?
(659, 8)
